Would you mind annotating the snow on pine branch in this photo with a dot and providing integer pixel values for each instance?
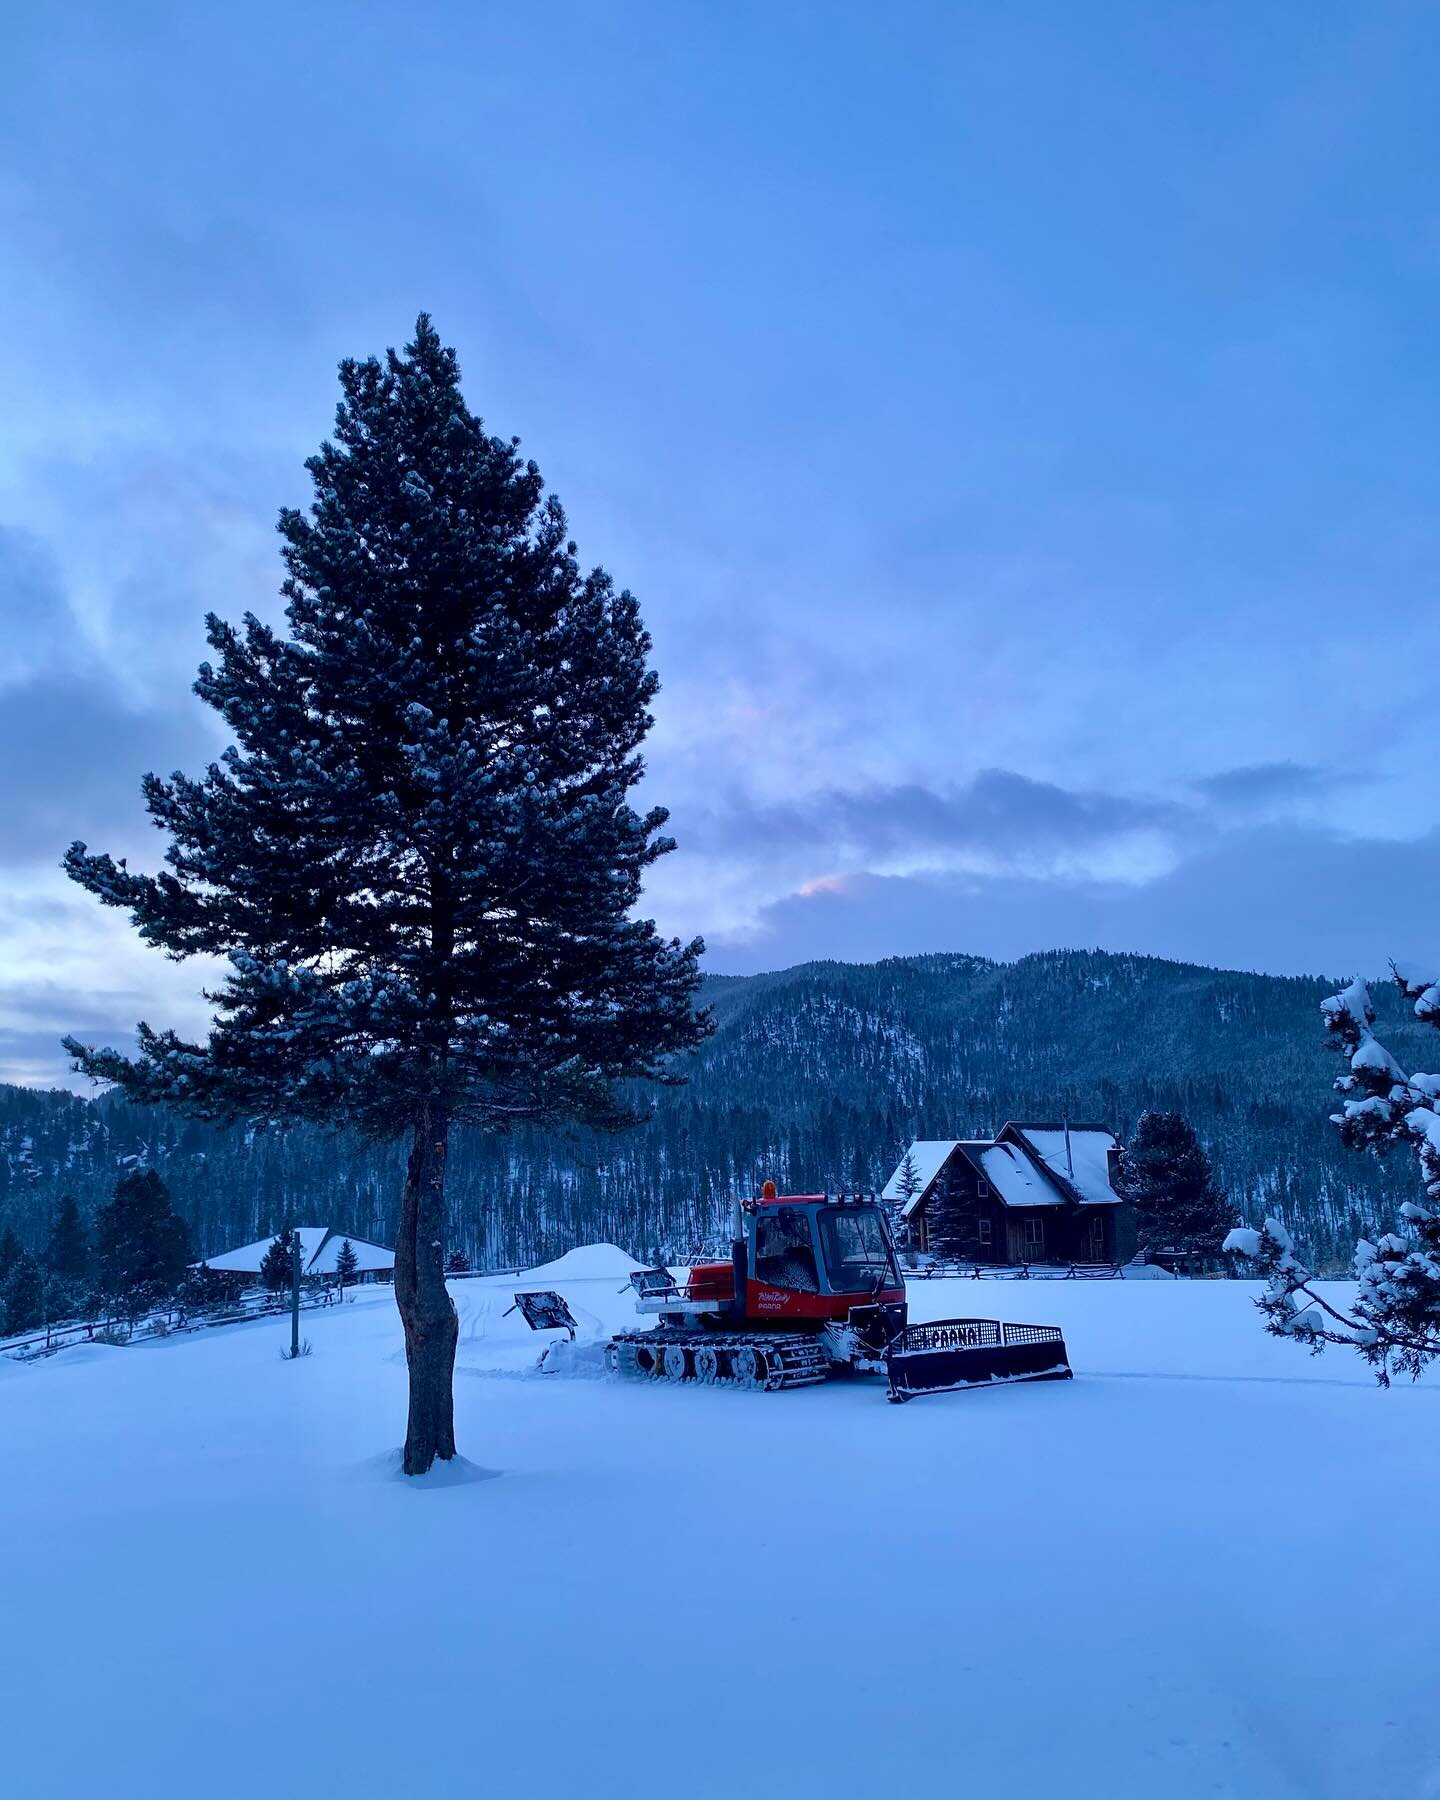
(1394, 1322)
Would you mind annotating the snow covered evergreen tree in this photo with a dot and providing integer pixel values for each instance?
(67, 1254)
(907, 1186)
(142, 1246)
(277, 1264)
(346, 1264)
(1166, 1174)
(457, 1263)
(419, 857)
(953, 1222)
(22, 1296)
(1394, 1322)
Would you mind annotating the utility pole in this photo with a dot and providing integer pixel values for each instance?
(294, 1293)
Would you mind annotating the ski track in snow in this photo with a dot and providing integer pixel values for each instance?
(1186, 1573)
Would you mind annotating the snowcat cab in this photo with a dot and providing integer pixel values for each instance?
(807, 1257)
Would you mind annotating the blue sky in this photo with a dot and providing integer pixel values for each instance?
(1017, 423)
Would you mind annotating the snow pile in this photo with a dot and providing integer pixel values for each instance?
(1138, 1271)
(588, 1262)
(495, 1340)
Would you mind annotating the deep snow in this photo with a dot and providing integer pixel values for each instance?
(1195, 1570)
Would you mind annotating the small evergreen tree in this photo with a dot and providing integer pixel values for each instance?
(457, 1263)
(206, 1288)
(1166, 1175)
(22, 1296)
(10, 1252)
(142, 1246)
(278, 1264)
(953, 1221)
(346, 1264)
(67, 1255)
(907, 1186)
(420, 855)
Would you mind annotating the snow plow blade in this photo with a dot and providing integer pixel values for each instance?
(950, 1354)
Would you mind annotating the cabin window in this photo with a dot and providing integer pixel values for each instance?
(1033, 1239)
(984, 1231)
(982, 1190)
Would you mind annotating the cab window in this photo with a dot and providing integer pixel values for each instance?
(784, 1254)
(857, 1254)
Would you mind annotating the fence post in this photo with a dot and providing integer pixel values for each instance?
(295, 1294)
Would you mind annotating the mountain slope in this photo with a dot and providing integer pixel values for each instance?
(817, 1076)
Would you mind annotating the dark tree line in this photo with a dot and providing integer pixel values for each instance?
(136, 1259)
(820, 1077)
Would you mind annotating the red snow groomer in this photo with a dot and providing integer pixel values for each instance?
(813, 1288)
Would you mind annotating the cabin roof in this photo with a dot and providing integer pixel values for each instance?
(319, 1251)
(929, 1155)
(1077, 1160)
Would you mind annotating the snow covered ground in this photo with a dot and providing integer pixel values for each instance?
(1196, 1570)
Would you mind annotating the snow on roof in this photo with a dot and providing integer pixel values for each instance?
(319, 1247)
(367, 1256)
(1015, 1177)
(1089, 1152)
(247, 1259)
(929, 1155)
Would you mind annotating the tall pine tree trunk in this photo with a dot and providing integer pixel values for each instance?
(431, 1327)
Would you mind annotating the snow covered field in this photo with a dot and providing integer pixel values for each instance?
(1192, 1571)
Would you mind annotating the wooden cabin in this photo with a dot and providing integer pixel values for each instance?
(1038, 1192)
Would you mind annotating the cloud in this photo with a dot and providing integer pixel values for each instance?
(37, 629)
(999, 812)
(739, 856)
(141, 543)
(67, 964)
(71, 758)
(1064, 851)
(1264, 787)
(35, 1015)
(1288, 900)
(998, 820)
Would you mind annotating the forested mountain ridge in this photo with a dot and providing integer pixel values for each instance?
(817, 1076)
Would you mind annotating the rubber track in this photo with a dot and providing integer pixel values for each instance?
(791, 1359)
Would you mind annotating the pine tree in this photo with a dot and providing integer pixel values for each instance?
(10, 1252)
(420, 858)
(277, 1264)
(22, 1296)
(141, 1245)
(1166, 1175)
(907, 1186)
(1394, 1321)
(953, 1222)
(67, 1255)
(346, 1264)
(457, 1263)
